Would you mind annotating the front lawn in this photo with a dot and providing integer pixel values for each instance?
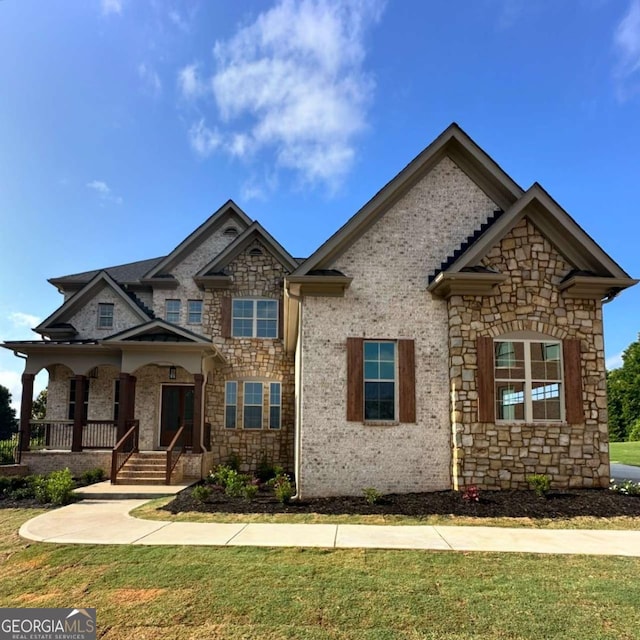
(234, 593)
(625, 452)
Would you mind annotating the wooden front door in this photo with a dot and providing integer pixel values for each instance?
(177, 409)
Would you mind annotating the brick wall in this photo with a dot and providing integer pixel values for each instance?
(389, 265)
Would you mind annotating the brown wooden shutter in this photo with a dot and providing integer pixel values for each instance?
(407, 380)
(484, 379)
(225, 319)
(574, 406)
(355, 383)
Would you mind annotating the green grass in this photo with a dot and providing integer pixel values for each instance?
(625, 452)
(232, 593)
(152, 511)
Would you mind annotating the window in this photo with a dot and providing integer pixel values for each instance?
(274, 405)
(116, 399)
(71, 411)
(230, 404)
(105, 315)
(253, 318)
(252, 405)
(194, 312)
(379, 381)
(528, 381)
(172, 311)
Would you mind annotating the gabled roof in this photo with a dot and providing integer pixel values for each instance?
(158, 331)
(253, 232)
(79, 298)
(129, 273)
(568, 237)
(226, 213)
(452, 142)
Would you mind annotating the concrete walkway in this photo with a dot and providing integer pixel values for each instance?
(109, 522)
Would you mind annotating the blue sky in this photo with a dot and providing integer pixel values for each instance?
(125, 123)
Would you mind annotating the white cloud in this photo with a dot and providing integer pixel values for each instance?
(292, 83)
(21, 320)
(150, 79)
(178, 20)
(626, 42)
(104, 192)
(614, 362)
(111, 6)
(189, 82)
(204, 141)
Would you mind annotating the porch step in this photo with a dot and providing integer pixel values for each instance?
(144, 468)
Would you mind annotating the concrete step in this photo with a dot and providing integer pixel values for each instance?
(139, 480)
(144, 466)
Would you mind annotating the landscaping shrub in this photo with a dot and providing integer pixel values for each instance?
(371, 495)
(282, 488)
(471, 494)
(627, 487)
(235, 485)
(266, 470)
(233, 461)
(92, 476)
(201, 492)
(634, 433)
(540, 483)
(60, 486)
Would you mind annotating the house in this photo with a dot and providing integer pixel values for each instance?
(449, 334)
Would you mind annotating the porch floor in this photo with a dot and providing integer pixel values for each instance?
(107, 491)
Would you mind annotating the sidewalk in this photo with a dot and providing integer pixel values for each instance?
(109, 522)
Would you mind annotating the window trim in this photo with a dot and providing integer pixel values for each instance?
(528, 381)
(167, 312)
(254, 317)
(103, 306)
(190, 313)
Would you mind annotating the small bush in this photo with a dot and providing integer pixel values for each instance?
(17, 487)
(371, 495)
(60, 487)
(92, 476)
(540, 483)
(265, 470)
(233, 461)
(471, 494)
(201, 492)
(282, 488)
(220, 475)
(627, 487)
(634, 433)
(250, 490)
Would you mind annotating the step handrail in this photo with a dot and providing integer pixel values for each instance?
(124, 449)
(172, 459)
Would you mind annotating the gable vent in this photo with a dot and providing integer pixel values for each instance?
(230, 232)
(256, 251)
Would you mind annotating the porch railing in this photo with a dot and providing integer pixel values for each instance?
(99, 434)
(174, 451)
(125, 447)
(58, 434)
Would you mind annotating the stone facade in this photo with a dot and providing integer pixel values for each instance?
(250, 360)
(502, 455)
(387, 299)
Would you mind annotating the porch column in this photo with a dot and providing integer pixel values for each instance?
(79, 418)
(123, 412)
(131, 407)
(25, 410)
(196, 441)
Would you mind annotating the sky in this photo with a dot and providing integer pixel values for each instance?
(125, 123)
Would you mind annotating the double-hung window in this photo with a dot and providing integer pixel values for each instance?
(252, 409)
(172, 311)
(105, 315)
(252, 405)
(194, 312)
(528, 381)
(275, 405)
(254, 318)
(230, 404)
(380, 380)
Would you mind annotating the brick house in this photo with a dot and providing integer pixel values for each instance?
(450, 333)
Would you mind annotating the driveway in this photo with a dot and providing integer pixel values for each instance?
(624, 472)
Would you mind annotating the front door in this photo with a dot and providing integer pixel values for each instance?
(177, 409)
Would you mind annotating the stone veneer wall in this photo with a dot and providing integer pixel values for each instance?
(47, 461)
(502, 455)
(250, 359)
(387, 299)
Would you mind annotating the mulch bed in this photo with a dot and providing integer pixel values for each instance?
(492, 504)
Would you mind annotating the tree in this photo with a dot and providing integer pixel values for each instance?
(39, 408)
(623, 391)
(8, 422)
